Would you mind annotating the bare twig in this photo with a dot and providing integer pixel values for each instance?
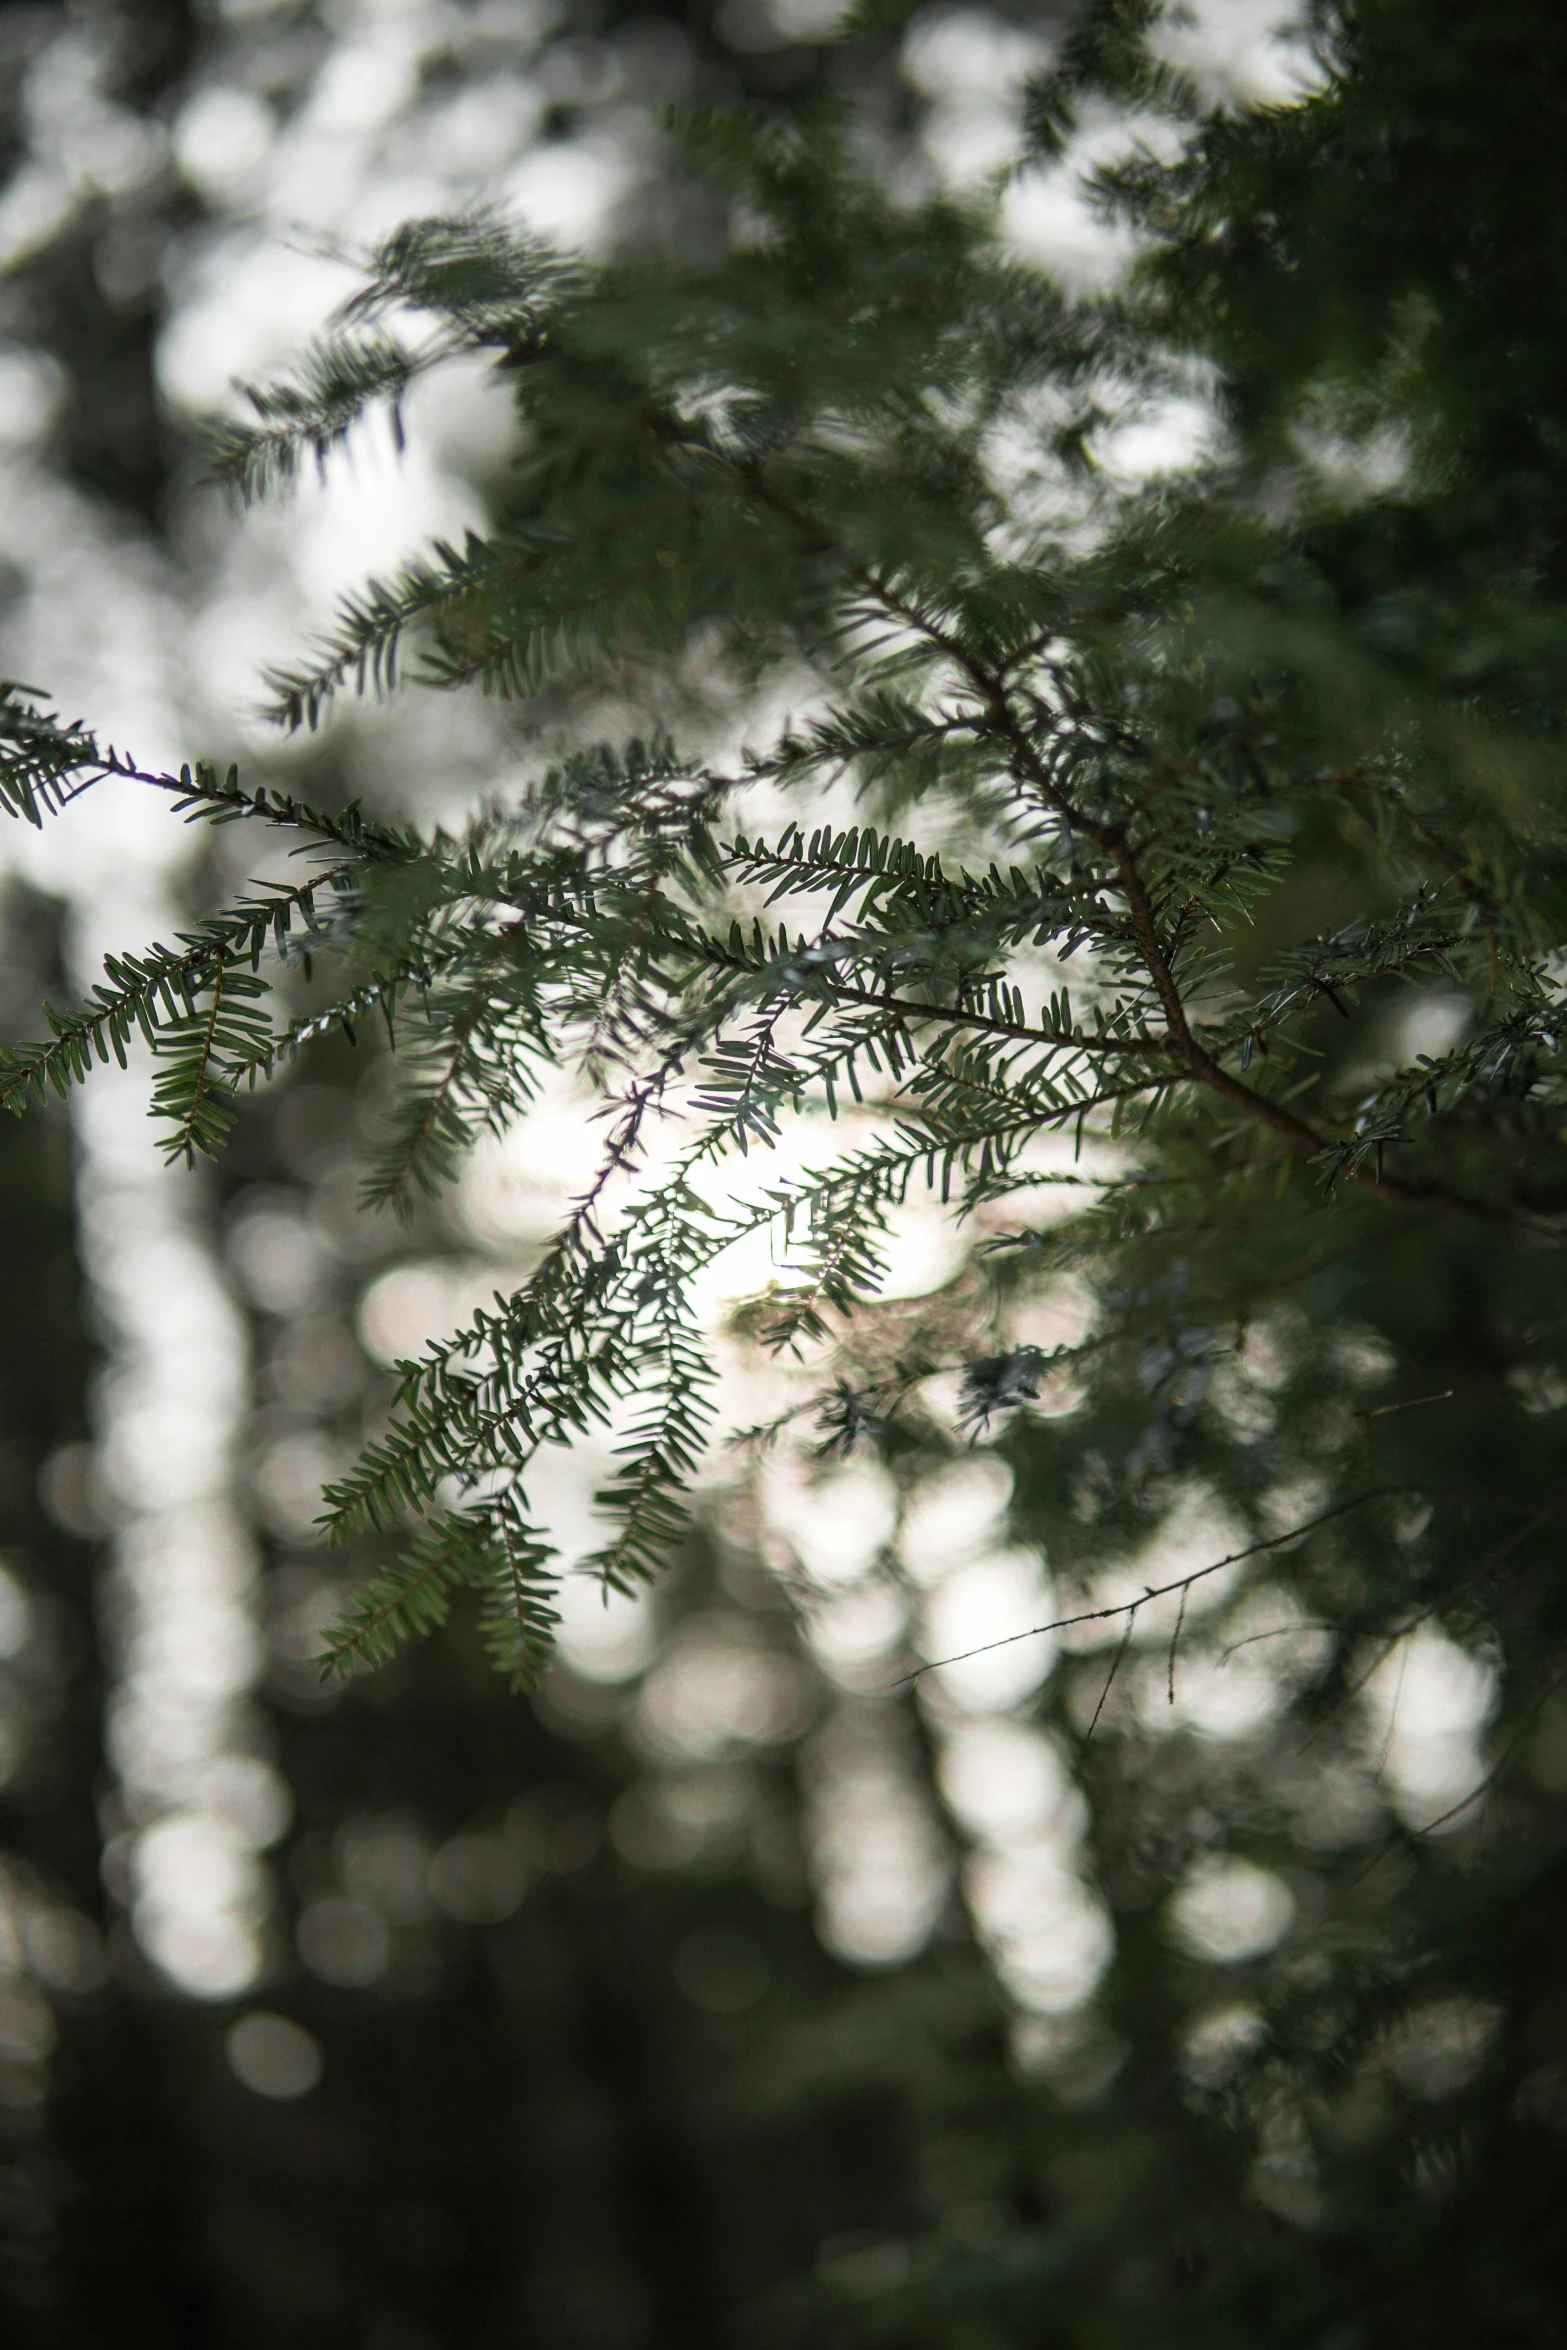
(1181, 1583)
(1175, 1641)
(1115, 1667)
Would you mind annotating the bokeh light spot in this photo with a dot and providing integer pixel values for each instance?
(272, 2056)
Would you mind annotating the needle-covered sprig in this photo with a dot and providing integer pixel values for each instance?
(1097, 735)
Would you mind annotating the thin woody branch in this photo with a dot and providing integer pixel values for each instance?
(1180, 1583)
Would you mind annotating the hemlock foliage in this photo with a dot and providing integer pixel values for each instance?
(1210, 826)
(864, 437)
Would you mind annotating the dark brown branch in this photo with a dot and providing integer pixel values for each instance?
(1116, 1663)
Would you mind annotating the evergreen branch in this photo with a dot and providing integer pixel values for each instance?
(145, 994)
(341, 378)
(1303, 1141)
(184, 1143)
(413, 1598)
(796, 448)
(370, 627)
(46, 765)
(494, 289)
(424, 1156)
(659, 1460)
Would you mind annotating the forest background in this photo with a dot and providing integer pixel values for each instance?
(725, 1991)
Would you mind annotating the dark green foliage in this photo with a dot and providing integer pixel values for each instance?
(1139, 743)
(201, 1010)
